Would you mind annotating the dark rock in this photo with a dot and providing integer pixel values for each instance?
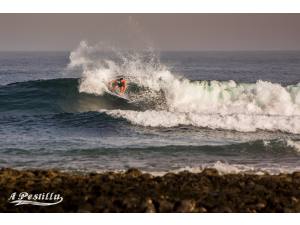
(222, 209)
(165, 206)
(187, 206)
(133, 172)
(210, 172)
(287, 210)
(260, 205)
(147, 176)
(149, 206)
(202, 210)
(296, 175)
(86, 208)
(294, 200)
(134, 191)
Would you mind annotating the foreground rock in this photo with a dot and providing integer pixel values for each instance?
(134, 191)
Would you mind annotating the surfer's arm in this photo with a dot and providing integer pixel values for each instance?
(123, 88)
(112, 85)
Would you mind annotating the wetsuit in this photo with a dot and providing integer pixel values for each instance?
(121, 84)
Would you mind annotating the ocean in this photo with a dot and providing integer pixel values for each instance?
(233, 111)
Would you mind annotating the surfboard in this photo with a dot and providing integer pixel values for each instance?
(124, 97)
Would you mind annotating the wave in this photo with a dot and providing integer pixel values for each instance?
(159, 98)
(53, 96)
(238, 122)
(40, 95)
(179, 101)
(230, 168)
(279, 146)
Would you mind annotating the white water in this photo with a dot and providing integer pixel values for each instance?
(223, 168)
(217, 105)
(226, 168)
(238, 122)
(294, 144)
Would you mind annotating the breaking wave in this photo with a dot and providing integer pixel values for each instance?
(173, 100)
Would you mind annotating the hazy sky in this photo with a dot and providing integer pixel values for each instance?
(161, 31)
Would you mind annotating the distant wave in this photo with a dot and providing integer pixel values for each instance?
(246, 162)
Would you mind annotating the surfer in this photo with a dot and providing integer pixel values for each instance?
(119, 83)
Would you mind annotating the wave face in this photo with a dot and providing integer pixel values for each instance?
(171, 100)
(53, 96)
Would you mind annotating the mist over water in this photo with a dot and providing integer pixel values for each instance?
(235, 111)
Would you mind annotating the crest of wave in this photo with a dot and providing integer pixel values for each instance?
(229, 97)
(98, 68)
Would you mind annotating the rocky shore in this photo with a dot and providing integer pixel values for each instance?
(133, 191)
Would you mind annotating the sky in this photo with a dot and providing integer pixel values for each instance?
(203, 32)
